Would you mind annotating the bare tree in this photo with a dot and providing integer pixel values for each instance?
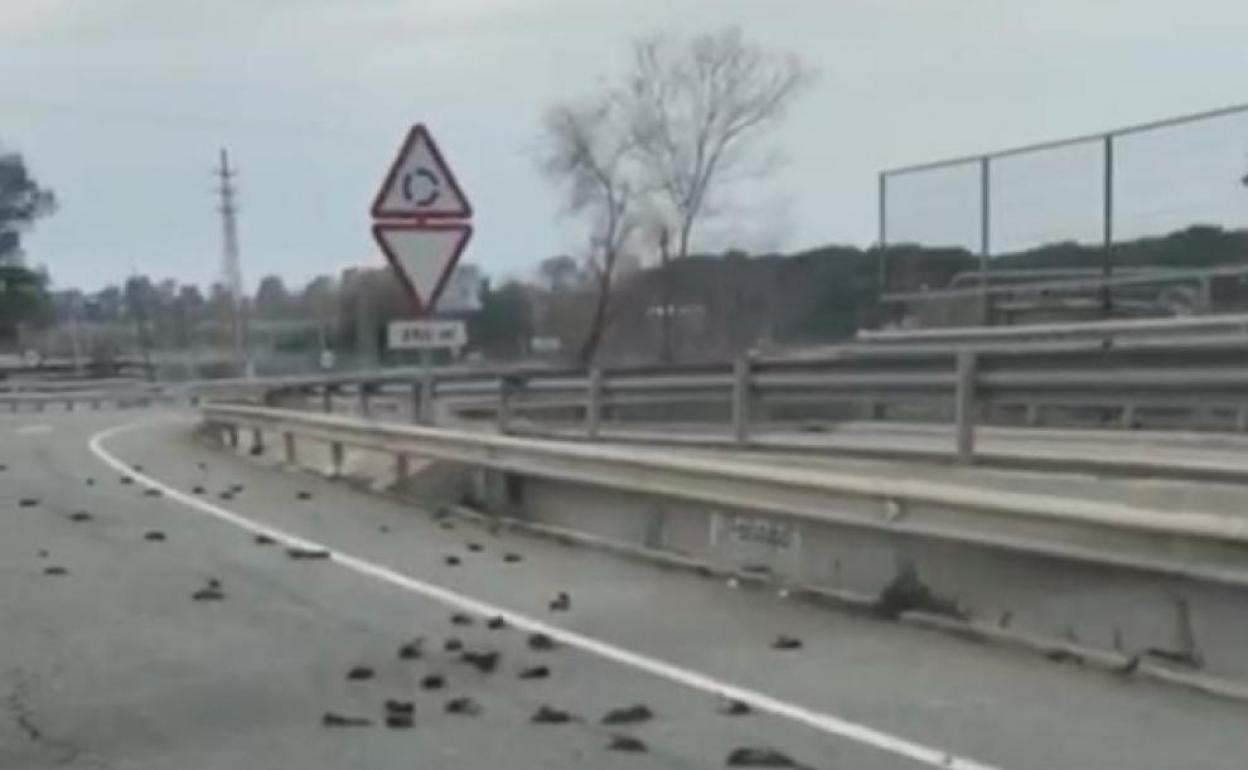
(694, 109)
(588, 148)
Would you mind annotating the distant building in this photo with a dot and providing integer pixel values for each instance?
(463, 290)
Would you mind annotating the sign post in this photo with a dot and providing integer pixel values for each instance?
(421, 222)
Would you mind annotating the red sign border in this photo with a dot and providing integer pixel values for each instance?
(417, 133)
(423, 309)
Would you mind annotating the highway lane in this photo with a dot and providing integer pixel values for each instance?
(113, 665)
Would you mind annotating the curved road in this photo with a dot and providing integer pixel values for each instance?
(115, 664)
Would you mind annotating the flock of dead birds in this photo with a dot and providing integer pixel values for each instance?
(401, 714)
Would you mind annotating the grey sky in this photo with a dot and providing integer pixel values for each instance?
(120, 106)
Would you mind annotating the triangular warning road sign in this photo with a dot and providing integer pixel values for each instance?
(419, 184)
(423, 256)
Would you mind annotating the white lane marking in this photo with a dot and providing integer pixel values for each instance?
(31, 430)
(822, 721)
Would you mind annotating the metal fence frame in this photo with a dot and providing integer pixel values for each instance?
(985, 162)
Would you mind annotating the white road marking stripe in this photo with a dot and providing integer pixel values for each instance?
(822, 721)
(30, 430)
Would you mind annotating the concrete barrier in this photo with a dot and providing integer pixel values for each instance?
(1127, 580)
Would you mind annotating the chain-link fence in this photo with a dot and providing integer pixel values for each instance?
(1119, 221)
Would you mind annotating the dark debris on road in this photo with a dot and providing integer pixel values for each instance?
(412, 650)
(759, 756)
(332, 719)
(463, 706)
(626, 743)
(359, 673)
(548, 715)
(541, 642)
(534, 672)
(307, 553)
(628, 715)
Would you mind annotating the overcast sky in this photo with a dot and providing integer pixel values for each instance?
(120, 107)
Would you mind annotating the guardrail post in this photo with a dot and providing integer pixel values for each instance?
(593, 403)
(1127, 418)
(363, 397)
(292, 457)
(336, 457)
(1032, 415)
(428, 384)
(964, 407)
(503, 414)
(257, 441)
(741, 399)
(401, 467)
(327, 399)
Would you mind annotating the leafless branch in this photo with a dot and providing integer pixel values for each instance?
(694, 108)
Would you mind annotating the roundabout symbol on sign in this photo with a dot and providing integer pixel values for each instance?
(429, 183)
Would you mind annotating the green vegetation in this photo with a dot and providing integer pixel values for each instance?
(23, 292)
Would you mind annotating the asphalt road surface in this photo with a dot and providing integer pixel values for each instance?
(114, 664)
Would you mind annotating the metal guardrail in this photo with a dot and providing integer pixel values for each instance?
(1201, 546)
(1126, 380)
(121, 397)
(1123, 380)
(1234, 325)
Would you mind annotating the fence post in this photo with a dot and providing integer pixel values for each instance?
(327, 399)
(964, 407)
(401, 468)
(363, 398)
(292, 457)
(740, 399)
(985, 238)
(593, 403)
(1107, 224)
(257, 442)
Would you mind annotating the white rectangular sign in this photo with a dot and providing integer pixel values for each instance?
(426, 335)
